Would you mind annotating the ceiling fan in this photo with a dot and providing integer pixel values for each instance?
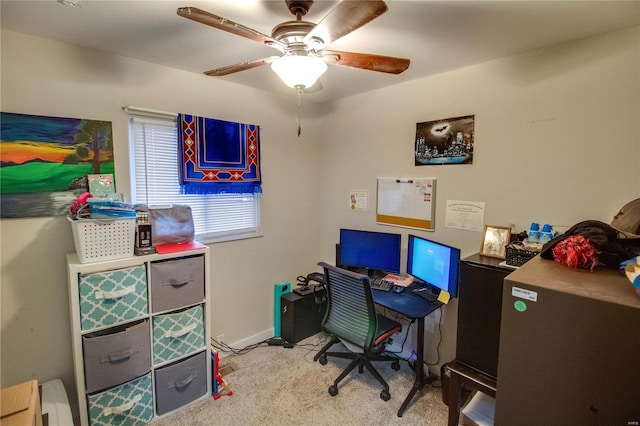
(303, 44)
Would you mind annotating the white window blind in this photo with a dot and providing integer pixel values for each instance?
(154, 144)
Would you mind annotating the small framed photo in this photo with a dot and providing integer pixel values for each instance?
(495, 240)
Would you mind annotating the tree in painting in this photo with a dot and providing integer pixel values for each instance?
(93, 142)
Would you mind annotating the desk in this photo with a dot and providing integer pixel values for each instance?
(413, 307)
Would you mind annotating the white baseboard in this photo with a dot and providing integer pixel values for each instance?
(251, 340)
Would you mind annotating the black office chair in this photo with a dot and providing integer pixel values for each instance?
(351, 318)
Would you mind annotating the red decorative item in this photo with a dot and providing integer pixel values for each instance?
(577, 252)
(80, 202)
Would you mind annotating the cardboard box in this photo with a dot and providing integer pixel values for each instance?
(21, 405)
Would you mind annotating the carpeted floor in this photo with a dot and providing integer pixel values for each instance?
(272, 385)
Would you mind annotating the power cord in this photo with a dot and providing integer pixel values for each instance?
(437, 349)
(223, 347)
(439, 339)
(273, 341)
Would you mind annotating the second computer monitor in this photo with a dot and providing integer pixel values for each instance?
(434, 263)
(373, 251)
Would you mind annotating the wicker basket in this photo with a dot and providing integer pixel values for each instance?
(97, 240)
(517, 255)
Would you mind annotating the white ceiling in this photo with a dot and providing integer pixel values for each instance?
(437, 36)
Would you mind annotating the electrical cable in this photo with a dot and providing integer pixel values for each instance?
(437, 346)
(439, 339)
(223, 347)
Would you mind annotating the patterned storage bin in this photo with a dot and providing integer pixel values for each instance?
(177, 334)
(125, 405)
(112, 297)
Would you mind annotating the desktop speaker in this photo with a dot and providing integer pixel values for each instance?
(301, 315)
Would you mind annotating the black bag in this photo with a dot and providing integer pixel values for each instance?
(606, 239)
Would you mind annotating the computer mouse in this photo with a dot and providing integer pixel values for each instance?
(398, 289)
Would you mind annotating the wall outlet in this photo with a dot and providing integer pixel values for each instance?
(220, 338)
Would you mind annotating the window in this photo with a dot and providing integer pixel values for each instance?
(154, 143)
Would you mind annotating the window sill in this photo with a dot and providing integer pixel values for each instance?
(227, 238)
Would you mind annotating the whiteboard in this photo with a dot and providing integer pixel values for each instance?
(407, 202)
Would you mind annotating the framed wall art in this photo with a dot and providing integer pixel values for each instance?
(495, 240)
(446, 141)
(45, 161)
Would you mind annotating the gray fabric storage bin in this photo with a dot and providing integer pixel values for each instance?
(180, 383)
(117, 356)
(177, 283)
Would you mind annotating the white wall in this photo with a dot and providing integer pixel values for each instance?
(557, 140)
(47, 78)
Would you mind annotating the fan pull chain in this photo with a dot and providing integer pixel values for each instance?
(298, 112)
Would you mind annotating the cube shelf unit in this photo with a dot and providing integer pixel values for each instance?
(140, 329)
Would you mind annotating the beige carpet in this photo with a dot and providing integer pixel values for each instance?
(273, 385)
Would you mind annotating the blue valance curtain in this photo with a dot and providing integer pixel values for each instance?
(218, 156)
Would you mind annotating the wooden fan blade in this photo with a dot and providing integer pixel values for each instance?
(224, 24)
(388, 64)
(346, 17)
(230, 69)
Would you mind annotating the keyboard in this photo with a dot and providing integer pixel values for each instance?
(377, 283)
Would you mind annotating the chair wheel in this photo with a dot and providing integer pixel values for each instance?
(385, 395)
(395, 365)
(322, 360)
(333, 390)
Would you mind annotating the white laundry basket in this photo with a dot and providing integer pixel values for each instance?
(103, 239)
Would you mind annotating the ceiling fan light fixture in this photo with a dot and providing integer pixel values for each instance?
(299, 71)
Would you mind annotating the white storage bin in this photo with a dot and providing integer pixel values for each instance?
(103, 239)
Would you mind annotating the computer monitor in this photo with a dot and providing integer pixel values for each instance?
(373, 251)
(434, 263)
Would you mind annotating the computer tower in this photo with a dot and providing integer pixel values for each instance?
(479, 311)
(301, 315)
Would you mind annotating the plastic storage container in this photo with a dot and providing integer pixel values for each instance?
(547, 234)
(534, 233)
(108, 239)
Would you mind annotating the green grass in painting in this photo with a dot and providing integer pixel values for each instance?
(45, 177)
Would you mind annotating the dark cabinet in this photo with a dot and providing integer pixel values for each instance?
(479, 311)
(569, 347)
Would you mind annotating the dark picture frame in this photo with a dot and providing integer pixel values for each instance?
(446, 141)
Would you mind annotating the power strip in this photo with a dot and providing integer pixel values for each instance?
(278, 341)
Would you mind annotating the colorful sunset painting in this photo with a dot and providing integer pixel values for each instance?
(45, 161)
